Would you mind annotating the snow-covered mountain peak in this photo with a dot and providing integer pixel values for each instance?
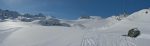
(140, 16)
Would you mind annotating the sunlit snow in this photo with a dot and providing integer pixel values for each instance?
(83, 32)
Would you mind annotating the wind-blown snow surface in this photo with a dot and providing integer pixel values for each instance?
(85, 32)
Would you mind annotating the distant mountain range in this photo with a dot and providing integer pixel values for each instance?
(45, 20)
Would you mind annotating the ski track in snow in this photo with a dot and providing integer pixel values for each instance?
(92, 38)
(89, 39)
(9, 30)
(5, 33)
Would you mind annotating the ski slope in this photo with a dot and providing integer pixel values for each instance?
(83, 32)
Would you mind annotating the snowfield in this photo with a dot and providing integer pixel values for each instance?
(83, 32)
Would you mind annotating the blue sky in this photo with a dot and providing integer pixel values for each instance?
(72, 9)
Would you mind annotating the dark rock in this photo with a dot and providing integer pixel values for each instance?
(85, 17)
(134, 32)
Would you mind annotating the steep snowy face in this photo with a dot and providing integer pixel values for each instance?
(139, 19)
(140, 16)
(113, 20)
(98, 22)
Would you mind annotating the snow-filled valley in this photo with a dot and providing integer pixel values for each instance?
(85, 31)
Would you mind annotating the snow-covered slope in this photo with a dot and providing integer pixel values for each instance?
(83, 32)
(140, 20)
